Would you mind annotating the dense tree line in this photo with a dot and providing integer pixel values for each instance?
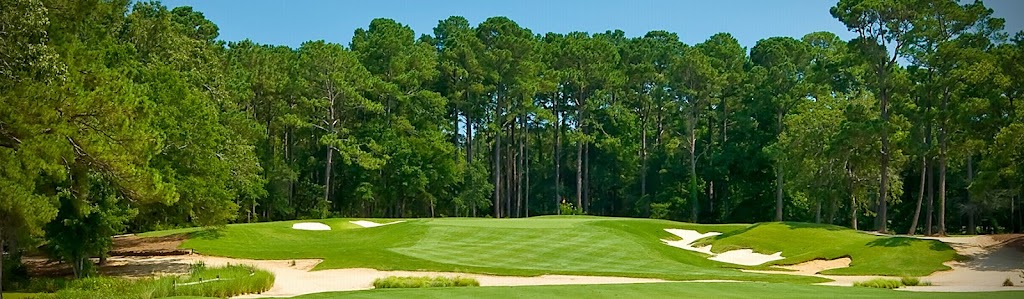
(119, 116)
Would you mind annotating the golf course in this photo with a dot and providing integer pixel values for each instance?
(511, 149)
(573, 256)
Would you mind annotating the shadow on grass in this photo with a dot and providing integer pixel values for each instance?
(891, 242)
(211, 233)
(803, 225)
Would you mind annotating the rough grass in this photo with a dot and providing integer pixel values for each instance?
(870, 254)
(233, 281)
(656, 290)
(397, 282)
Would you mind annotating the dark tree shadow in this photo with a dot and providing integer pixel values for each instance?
(894, 242)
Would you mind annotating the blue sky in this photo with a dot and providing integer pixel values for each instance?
(290, 23)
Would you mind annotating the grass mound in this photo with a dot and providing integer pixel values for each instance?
(870, 254)
(401, 282)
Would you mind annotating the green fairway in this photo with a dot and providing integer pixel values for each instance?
(656, 290)
(531, 246)
(871, 255)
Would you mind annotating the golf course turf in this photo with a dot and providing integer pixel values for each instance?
(548, 245)
(656, 290)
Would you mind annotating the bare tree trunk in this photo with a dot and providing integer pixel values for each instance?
(920, 197)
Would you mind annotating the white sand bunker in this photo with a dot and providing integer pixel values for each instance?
(744, 257)
(364, 223)
(310, 226)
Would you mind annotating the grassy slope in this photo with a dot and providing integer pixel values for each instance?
(870, 254)
(532, 246)
(656, 290)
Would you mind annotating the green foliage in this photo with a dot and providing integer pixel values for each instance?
(90, 213)
(396, 282)
(879, 283)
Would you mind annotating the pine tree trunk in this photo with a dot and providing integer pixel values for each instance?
(519, 172)
(526, 168)
(3, 243)
(943, 147)
(920, 197)
(883, 188)
(558, 160)
(579, 168)
(643, 164)
(510, 184)
(778, 175)
(497, 168)
(694, 205)
(931, 197)
(972, 211)
(327, 180)
(586, 179)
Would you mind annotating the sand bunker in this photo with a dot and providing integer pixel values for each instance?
(744, 257)
(816, 266)
(310, 226)
(688, 237)
(364, 223)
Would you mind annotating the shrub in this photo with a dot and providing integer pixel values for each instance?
(880, 283)
(392, 282)
(1007, 283)
(910, 281)
(566, 208)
